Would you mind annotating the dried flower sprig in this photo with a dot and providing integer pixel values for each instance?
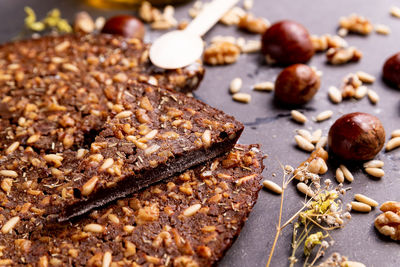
(53, 20)
(323, 211)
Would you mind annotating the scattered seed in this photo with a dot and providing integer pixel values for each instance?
(339, 176)
(192, 210)
(10, 224)
(304, 143)
(242, 97)
(251, 46)
(347, 174)
(12, 148)
(360, 207)
(361, 91)
(322, 142)
(395, 133)
(9, 173)
(305, 189)
(395, 11)
(376, 172)
(272, 186)
(324, 167)
(107, 258)
(107, 164)
(325, 115)
(236, 85)
(365, 77)
(298, 116)
(393, 143)
(93, 228)
(316, 136)
(374, 164)
(304, 133)
(366, 200)
(373, 96)
(264, 86)
(334, 95)
(382, 29)
(89, 186)
(314, 166)
(123, 114)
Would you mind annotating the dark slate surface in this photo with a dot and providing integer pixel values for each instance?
(269, 125)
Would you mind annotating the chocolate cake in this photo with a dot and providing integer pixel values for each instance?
(188, 220)
(83, 122)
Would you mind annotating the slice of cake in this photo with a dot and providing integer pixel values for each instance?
(81, 125)
(188, 220)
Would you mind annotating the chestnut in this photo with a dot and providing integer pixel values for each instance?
(391, 70)
(296, 85)
(287, 42)
(125, 25)
(356, 136)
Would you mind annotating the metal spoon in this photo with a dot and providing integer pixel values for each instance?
(181, 48)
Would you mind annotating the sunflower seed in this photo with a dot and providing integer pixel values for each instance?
(339, 176)
(298, 116)
(376, 172)
(242, 97)
(360, 207)
(365, 77)
(364, 199)
(305, 189)
(236, 85)
(373, 164)
(393, 143)
(347, 174)
(327, 114)
(373, 96)
(272, 186)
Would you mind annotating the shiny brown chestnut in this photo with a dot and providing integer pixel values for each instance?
(296, 85)
(356, 136)
(391, 70)
(125, 25)
(287, 42)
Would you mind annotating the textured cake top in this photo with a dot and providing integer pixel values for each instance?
(79, 128)
(189, 220)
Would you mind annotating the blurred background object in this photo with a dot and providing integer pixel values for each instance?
(130, 3)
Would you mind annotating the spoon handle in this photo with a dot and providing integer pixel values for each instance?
(209, 16)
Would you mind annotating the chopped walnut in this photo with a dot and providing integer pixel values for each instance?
(252, 24)
(232, 17)
(326, 41)
(221, 53)
(185, 261)
(350, 83)
(388, 223)
(357, 24)
(147, 214)
(337, 56)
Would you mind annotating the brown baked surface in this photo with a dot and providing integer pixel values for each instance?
(150, 228)
(81, 123)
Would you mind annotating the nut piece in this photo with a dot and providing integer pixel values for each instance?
(242, 97)
(287, 42)
(334, 95)
(388, 223)
(395, 11)
(337, 56)
(264, 86)
(221, 53)
(296, 85)
(125, 25)
(252, 24)
(305, 189)
(235, 86)
(304, 143)
(325, 115)
(10, 224)
(356, 24)
(191, 210)
(356, 136)
(393, 143)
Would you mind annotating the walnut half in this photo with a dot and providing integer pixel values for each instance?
(388, 223)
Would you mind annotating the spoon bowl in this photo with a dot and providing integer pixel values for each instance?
(176, 49)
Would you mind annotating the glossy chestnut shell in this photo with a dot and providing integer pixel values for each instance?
(287, 42)
(391, 70)
(125, 25)
(296, 85)
(356, 136)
